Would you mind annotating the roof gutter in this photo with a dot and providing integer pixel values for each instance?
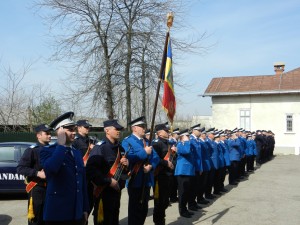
(251, 93)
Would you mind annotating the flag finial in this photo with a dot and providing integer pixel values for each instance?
(170, 18)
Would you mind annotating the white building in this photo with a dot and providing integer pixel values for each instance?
(269, 102)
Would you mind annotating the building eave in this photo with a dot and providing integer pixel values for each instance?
(251, 93)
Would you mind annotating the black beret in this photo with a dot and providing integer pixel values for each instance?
(83, 123)
(63, 120)
(112, 123)
(42, 127)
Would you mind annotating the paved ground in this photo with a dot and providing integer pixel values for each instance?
(270, 196)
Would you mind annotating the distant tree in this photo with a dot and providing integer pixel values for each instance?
(13, 98)
(46, 111)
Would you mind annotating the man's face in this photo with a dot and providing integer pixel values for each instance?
(44, 137)
(163, 134)
(139, 130)
(70, 134)
(84, 131)
(176, 136)
(203, 136)
(196, 133)
(112, 132)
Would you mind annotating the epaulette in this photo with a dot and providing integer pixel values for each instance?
(126, 138)
(33, 146)
(100, 142)
(155, 140)
(76, 137)
(48, 146)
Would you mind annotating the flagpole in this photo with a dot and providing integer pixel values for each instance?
(170, 17)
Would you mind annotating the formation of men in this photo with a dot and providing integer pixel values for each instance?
(74, 177)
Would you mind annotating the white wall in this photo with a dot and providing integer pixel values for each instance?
(268, 112)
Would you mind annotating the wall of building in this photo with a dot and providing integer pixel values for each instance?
(267, 112)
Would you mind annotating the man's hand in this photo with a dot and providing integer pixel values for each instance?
(148, 150)
(170, 165)
(41, 174)
(174, 148)
(147, 168)
(124, 161)
(114, 184)
(61, 136)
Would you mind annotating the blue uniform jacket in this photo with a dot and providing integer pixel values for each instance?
(243, 145)
(196, 149)
(234, 153)
(66, 195)
(185, 161)
(251, 148)
(206, 161)
(225, 150)
(221, 162)
(137, 153)
(212, 146)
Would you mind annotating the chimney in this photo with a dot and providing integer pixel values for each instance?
(279, 68)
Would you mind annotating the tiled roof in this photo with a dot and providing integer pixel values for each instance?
(284, 83)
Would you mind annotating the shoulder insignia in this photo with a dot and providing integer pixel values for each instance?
(155, 140)
(126, 138)
(52, 145)
(33, 146)
(100, 142)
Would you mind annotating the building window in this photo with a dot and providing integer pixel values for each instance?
(289, 123)
(245, 119)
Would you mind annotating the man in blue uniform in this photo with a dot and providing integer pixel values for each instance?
(184, 171)
(206, 163)
(104, 169)
(66, 200)
(213, 154)
(29, 166)
(142, 162)
(234, 156)
(195, 180)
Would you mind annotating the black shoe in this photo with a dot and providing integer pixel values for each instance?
(191, 213)
(186, 214)
(173, 200)
(195, 207)
(233, 183)
(224, 190)
(210, 196)
(217, 193)
(203, 201)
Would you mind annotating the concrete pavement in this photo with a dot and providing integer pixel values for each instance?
(270, 196)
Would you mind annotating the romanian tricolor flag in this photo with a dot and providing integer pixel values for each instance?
(168, 100)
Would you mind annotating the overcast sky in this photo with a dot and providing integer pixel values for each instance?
(247, 38)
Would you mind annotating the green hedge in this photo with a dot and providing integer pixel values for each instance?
(30, 137)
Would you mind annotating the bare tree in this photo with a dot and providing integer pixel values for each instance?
(13, 98)
(115, 47)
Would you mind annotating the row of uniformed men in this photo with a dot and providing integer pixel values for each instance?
(61, 165)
